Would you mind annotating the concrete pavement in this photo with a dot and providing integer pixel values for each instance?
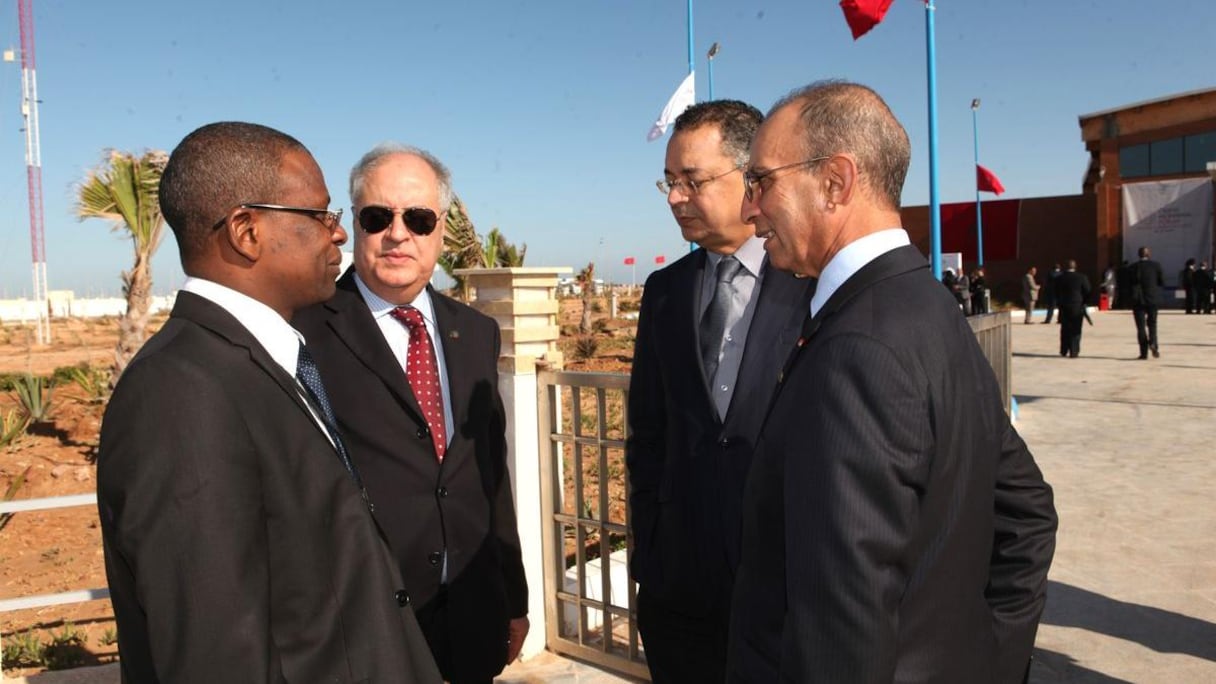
(1128, 447)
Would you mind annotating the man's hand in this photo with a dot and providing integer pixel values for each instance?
(517, 629)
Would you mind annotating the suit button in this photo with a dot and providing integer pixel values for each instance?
(403, 598)
(434, 557)
(724, 443)
(442, 492)
(424, 432)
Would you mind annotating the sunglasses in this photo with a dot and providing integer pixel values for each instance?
(376, 219)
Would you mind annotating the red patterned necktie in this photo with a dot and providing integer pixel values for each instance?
(422, 372)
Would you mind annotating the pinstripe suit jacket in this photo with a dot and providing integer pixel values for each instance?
(895, 526)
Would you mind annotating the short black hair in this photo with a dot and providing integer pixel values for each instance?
(736, 121)
(215, 168)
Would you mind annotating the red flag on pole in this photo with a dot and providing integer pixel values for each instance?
(660, 259)
(987, 181)
(864, 15)
(628, 261)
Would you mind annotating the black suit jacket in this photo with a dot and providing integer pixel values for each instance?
(895, 526)
(1147, 279)
(237, 546)
(464, 505)
(686, 466)
(1072, 291)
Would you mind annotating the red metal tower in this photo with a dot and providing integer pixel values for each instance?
(33, 166)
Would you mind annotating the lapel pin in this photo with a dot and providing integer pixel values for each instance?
(453, 334)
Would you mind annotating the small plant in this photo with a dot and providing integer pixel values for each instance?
(13, 487)
(25, 649)
(94, 382)
(66, 649)
(12, 425)
(600, 325)
(109, 637)
(586, 347)
(34, 397)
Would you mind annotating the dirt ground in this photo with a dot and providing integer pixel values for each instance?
(54, 551)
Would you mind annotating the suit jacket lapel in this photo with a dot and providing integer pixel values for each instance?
(460, 383)
(208, 314)
(352, 323)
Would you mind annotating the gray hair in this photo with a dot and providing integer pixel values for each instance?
(377, 154)
(838, 116)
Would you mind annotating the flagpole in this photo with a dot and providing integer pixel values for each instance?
(979, 216)
(935, 217)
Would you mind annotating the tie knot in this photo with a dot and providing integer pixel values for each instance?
(410, 317)
(728, 268)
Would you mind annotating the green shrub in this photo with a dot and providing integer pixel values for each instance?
(93, 382)
(586, 347)
(66, 649)
(34, 397)
(12, 425)
(25, 649)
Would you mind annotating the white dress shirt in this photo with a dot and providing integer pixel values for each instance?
(746, 285)
(851, 259)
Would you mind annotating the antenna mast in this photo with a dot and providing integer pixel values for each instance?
(33, 168)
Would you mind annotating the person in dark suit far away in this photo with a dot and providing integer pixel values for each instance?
(239, 542)
(414, 380)
(1146, 280)
(1072, 291)
(713, 330)
(895, 526)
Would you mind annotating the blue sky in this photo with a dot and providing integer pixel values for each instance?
(541, 107)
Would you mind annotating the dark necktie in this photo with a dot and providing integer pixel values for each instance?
(713, 323)
(422, 372)
(310, 378)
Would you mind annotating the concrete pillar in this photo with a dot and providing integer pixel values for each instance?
(524, 302)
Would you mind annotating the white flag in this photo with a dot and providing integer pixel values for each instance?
(680, 100)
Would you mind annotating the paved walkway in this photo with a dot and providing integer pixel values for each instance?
(1129, 447)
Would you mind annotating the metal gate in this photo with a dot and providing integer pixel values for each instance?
(590, 602)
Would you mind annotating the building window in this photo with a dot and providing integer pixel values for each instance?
(1199, 150)
(1166, 157)
(1133, 161)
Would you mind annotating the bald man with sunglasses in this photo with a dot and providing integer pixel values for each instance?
(413, 378)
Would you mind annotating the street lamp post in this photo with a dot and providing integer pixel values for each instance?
(713, 52)
(979, 218)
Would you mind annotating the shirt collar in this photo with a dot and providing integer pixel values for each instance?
(276, 335)
(381, 307)
(750, 254)
(851, 259)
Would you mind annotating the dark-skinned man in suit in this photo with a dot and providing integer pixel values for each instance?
(713, 330)
(414, 380)
(1072, 291)
(895, 526)
(1145, 280)
(240, 545)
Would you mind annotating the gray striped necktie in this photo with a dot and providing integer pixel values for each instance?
(713, 323)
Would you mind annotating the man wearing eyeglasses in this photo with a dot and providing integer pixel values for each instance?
(414, 380)
(712, 332)
(895, 526)
(239, 541)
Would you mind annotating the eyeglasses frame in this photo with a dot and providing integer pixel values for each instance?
(751, 179)
(693, 186)
(331, 219)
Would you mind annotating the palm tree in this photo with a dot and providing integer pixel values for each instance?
(123, 189)
(464, 248)
(586, 281)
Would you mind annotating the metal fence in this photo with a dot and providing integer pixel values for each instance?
(994, 332)
(590, 602)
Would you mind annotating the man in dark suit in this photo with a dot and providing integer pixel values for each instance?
(413, 376)
(895, 527)
(713, 330)
(1049, 292)
(239, 542)
(1146, 280)
(1072, 291)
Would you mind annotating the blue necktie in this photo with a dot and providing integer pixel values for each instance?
(310, 378)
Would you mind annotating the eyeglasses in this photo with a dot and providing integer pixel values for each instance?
(330, 219)
(751, 179)
(420, 220)
(689, 187)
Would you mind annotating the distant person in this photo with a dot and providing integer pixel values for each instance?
(1049, 292)
(979, 292)
(1072, 292)
(1146, 283)
(1030, 292)
(1109, 285)
(239, 541)
(714, 328)
(1187, 277)
(1204, 281)
(414, 382)
(895, 527)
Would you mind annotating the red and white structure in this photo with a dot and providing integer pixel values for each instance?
(33, 166)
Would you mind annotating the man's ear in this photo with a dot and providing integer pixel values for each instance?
(242, 233)
(841, 178)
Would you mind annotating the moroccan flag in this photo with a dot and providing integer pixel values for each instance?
(987, 181)
(682, 99)
(660, 259)
(628, 261)
(864, 15)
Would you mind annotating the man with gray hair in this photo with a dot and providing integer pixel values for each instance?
(413, 376)
(895, 527)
